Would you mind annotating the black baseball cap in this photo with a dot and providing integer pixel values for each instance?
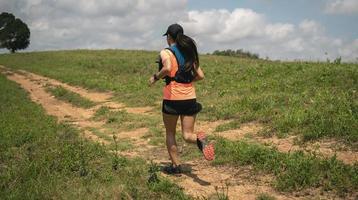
(173, 30)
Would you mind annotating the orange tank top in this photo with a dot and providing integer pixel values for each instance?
(174, 90)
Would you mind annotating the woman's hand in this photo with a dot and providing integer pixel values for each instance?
(165, 55)
(152, 80)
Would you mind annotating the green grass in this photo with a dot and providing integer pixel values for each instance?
(122, 120)
(156, 135)
(101, 134)
(293, 171)
(40, 159)
(228, 126)
(313, 100)
(70, 97)
(265, 196)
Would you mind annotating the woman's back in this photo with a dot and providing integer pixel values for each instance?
(175, 90)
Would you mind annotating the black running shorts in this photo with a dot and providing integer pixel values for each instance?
(181, 107)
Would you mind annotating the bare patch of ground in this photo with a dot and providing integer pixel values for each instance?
(62, 110)
(245, 130)
(209, 126)
(97, 97)
(91, 95)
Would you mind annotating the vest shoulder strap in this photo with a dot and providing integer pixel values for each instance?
(178, 55)
(181, 76)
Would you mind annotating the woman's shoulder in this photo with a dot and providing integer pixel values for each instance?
(166, 50)
(164, 53)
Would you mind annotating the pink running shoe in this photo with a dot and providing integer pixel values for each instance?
(207, 149)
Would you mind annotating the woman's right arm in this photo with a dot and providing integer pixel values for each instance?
(165, 57)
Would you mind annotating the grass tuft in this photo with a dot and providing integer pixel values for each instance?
(265, 196)
(70, 97)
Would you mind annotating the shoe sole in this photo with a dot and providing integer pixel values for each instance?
(209, 150)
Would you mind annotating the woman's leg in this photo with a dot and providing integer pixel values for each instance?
(187, 124)
(170, 122)
(187, 127)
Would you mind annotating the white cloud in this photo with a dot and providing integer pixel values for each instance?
(246, 29)
(198, 23)
(295, 45)
(68, 24)
(223, 26)
(250, 24)
(279, 31)
(349, 51)
(311, 27)
(342, 7)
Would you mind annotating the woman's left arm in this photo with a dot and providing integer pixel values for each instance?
(199, 74)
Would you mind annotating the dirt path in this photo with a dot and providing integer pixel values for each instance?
(243, 182)
(325, 148)
(64, 112)
(98, 97)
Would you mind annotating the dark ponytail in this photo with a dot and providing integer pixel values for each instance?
(187, 47)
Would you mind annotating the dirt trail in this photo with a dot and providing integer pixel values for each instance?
(243, 182)
(98, 97)
(93, 96)
(325, 148)
(64, 112)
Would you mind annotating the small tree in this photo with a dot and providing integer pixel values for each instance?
(236, 53)
(14, 34)
(338, 60)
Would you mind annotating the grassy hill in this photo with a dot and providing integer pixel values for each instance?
(314, 100)
(41, 158)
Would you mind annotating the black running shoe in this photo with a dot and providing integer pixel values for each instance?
(180, 169)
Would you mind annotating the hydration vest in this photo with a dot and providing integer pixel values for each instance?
(181, 76)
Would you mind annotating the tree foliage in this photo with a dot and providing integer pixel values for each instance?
(14, 33)
(238, 53)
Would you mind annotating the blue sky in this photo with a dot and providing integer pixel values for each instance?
(278, 29)
(291, 11)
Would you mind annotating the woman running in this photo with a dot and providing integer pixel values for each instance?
(179, 66)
